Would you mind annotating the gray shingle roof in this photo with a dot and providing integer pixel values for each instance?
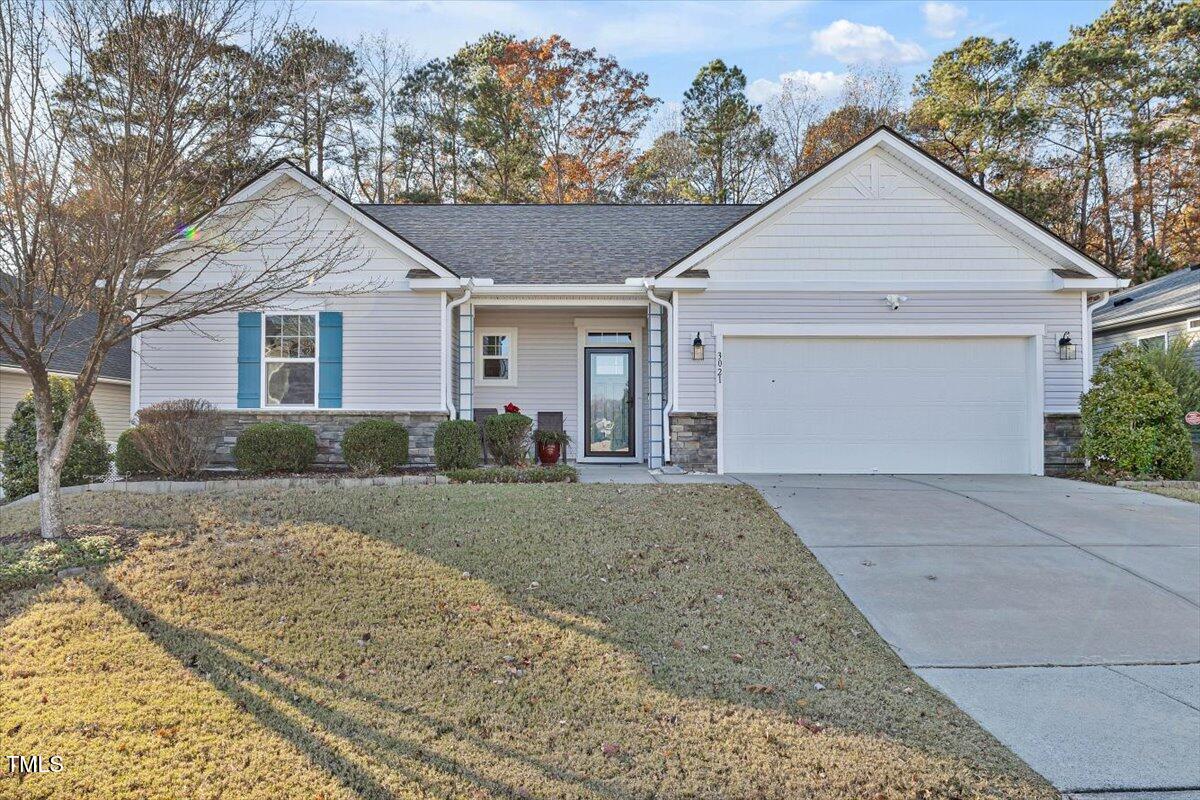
(71, 348)
(1178, 292)
(557, 243)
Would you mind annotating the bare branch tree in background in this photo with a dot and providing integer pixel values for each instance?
(113, 114)
(386, 64)
(789, 115)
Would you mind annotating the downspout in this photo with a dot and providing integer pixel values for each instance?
(1087, 336)
(446, 316)
(672, 355)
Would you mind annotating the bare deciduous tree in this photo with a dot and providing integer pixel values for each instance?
(112, 116)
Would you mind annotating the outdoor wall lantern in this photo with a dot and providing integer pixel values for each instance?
(1066, 348)
(697, 348)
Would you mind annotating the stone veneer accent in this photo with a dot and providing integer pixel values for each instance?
(329, 425)
(694, 440)
(1063, 434)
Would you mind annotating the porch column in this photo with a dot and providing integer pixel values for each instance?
(466, 361)
(656, 391)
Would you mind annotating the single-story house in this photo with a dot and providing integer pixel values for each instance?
(111, 395)
(1151, 314)
(881, 315)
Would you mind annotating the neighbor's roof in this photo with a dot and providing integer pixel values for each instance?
(1178, 292)
(71, 349)
(576, 243)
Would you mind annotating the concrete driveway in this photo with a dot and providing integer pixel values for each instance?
(1064, 616)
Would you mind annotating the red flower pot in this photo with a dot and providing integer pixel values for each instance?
(549, 452)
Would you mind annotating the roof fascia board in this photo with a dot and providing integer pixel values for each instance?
(582, 289)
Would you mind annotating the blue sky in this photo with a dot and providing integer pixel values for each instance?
(670, 40)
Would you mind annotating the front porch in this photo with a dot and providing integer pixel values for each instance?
(594, 368)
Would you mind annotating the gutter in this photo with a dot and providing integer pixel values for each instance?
(1087, 336)
(673, 351)
(469, 283)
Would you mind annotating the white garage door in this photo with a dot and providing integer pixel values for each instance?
(888, 405)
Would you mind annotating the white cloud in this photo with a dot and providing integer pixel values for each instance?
(826, 84)
(942, 19)
(851, 42)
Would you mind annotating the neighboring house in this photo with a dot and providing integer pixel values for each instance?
(1151, 314)
(882, 315)
(111, 395)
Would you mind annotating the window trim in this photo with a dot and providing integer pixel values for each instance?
(1192, 324)
(1165, 339)
(511, 333)
(315, 360)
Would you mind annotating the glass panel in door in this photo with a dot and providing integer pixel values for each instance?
(609, 402)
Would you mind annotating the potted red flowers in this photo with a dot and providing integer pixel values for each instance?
(550, 445)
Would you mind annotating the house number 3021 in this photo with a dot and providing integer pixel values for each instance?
(720, 365)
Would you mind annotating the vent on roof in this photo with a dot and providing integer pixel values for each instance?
(1122, 301)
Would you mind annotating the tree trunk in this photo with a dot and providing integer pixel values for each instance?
(49, 495)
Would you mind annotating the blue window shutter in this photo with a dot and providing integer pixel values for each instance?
(330, 357)
(249, 359)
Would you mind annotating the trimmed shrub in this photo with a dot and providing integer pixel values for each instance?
(175, 436)
(456, 445)
(559, 473)
(508, 437)
(275, 447)
(1132, 420)
(375, 445)
(87, 460)
(128, 459)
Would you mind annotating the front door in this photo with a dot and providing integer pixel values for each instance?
(608, 406)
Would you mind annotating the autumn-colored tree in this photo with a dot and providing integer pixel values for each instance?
(585, 111)
(869, 98)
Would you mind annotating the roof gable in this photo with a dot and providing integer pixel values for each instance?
(286, 177)
(887, 172)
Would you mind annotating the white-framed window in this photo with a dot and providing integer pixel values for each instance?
(289, 360)
(1193, 325)
(1156, 342)
(496, 356)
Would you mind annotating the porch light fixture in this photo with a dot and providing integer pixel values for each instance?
(1066, 348)
(697, 348)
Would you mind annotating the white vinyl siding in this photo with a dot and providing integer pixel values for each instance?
(1103, 341)
(877, 221)
(391, 355)
(1057, 311)
(110, 399)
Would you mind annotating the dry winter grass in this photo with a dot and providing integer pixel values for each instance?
(470, 641)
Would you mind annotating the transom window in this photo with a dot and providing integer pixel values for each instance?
(1158, 342)
(497, 350)
(289, 359)
(609, 338)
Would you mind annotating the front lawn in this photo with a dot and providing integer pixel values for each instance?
(543, 641)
